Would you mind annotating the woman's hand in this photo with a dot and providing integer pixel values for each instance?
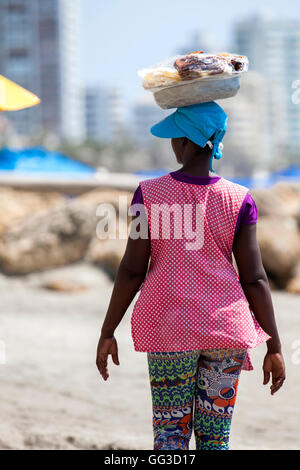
(130, 276)
(106, 346)
(274, 363)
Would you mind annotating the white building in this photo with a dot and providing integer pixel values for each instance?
(273, 48)
(246, 143)
(146, 113)
(104, 113)
(39, 50)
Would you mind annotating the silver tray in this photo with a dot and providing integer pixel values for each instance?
(197, 91)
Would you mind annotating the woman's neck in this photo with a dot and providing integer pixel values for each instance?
(195, 170)
(198, 165)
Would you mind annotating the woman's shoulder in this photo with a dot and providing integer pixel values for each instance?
(155, 181)
(145, 184)
(233, 185)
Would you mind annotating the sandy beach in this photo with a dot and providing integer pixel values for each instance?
(52, 396)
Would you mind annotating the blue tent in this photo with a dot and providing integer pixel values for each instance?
(40, 160)
(291, 172)
(243, 181)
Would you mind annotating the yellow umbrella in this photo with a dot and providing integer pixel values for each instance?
(14, 97)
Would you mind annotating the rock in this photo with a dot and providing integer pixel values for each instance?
(62, 235)
(119, 199)
(64, 285)
(293, 286)
(289, 194)
(80, 273)
(17, 205)
(278, 229)
(59, 237)
(272, 285)
(268, 203)
(107, 253)
(279, 242)
(282, 199)
(297, 218)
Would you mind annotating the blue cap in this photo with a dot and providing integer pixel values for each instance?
(197, 122)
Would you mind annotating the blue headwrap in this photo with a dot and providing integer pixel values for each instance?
(199, 123)
(217, 149)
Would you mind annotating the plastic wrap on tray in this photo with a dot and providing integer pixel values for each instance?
(195, 65)
(196, 77)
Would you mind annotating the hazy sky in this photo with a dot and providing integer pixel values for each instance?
(121, 36)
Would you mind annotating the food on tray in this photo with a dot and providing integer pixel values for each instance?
(197, 52)
(196, 65)
(160, 77)
(239, 63)
(193, 66)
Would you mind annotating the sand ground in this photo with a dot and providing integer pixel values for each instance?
(52, 396)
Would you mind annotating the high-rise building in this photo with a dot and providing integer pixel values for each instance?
(246, 143)
(273, 48)
(39, 50)
(104, 113)
(145, 114)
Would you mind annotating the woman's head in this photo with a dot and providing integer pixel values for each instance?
(186, 150)
(190, 128)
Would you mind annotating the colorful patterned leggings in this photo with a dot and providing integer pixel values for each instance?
(194, 389)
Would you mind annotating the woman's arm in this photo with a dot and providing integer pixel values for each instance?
(255, 284)
(130, 276)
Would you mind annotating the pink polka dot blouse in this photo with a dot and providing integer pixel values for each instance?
(191, 297)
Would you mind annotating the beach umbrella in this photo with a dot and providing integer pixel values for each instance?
(13, 97)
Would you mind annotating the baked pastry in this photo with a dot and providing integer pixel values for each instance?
(160, 77)
(193, 66)
(238, 63)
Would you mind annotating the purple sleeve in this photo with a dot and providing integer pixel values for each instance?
(248, 213)
(138, 196)
(136, 199)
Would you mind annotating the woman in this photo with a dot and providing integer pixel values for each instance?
(196, 318)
